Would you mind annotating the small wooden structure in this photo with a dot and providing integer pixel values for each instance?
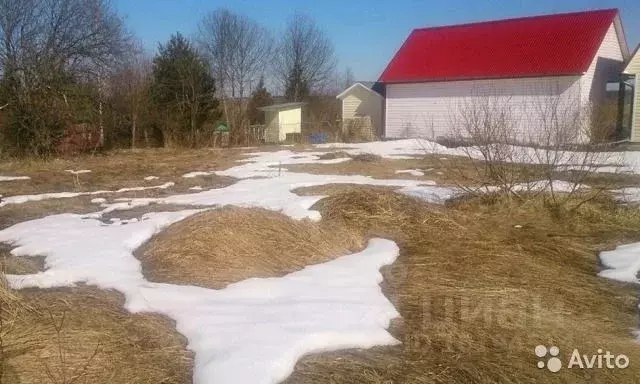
(282, 120)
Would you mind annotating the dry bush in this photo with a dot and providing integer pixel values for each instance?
(220, 247)
(555, 128)
(474, 303)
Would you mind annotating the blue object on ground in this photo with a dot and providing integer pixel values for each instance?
(318, 138)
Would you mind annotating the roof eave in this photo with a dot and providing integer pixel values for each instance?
(472, 78)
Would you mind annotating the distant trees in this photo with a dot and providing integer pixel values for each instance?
(52, 57)
(305, 58)
(70, 68)
(184, 89)
(128, 94)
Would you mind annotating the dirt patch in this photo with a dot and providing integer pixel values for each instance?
(475, 302)
(334, 155)
(15, 213)
(19, 265)
(223, 246)
(332, 189)
(84, 335)
(138, 212)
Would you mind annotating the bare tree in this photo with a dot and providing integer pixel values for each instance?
(129, 90)
(305, 58)
(238, 50)
(347, 78)
(45, 45)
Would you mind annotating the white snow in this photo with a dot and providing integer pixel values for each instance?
(196, 188)
(11, 178)
(253, 331)
(78, 172)
(149, 178)
(412, 172)
(623, 263)
(191, 175)
(21, 199)
(613, 162)
(99, 200)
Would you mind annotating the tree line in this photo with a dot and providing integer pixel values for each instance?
(71, 70)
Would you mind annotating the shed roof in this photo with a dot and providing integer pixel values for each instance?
(372, 86)
(278, 107)
(632, 66)
(549, 45)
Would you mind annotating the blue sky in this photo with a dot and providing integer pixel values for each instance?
(366, 33)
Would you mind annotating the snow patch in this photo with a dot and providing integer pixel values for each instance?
(412, 172)
(11, 178)
(78, 172)
(149, 178)
(269, 322)
(21, 199)
(623, 263)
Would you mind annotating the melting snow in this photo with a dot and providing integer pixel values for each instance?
(253, 331)
(11, 178)
(623, 263)
(412, 172)
(21, 199)
(78, 172)
(149, 178)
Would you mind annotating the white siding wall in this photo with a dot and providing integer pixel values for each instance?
(633, 67)
(360, 102)
(635, 128)
(431, 110)
(606, 65)
(349, 106)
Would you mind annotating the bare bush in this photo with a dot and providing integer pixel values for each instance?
(542, 148)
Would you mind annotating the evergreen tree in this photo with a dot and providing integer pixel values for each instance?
(296, 86)
(184, 88)
(260, 98)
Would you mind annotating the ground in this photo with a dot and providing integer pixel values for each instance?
(182, 279)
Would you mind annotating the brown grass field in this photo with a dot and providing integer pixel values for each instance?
(479, 281)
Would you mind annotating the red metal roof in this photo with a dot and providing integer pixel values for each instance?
(548, 45)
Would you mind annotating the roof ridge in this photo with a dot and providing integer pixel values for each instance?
(499, 21)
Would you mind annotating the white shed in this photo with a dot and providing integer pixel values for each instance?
(522, 62)
(282, 120)
(363, 99)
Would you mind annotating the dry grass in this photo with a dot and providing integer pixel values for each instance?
(16, 213)
(19, 265)
(115, 170)
(451, 171)
(536, 284)
(82, 335)
(332, 189)
(220, 247)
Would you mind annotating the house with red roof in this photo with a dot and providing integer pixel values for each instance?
(525, 63)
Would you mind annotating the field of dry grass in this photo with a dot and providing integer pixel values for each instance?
(479, 282)
(475, 302)
(115, 170)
